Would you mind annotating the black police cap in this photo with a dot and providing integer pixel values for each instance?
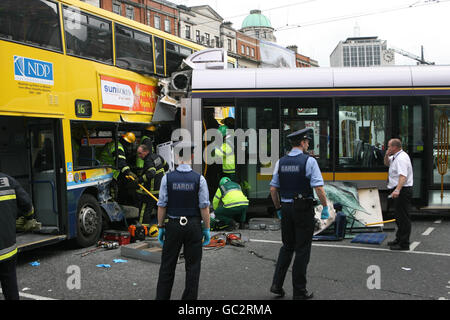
(301, 134)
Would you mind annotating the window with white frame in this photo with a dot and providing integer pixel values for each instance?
(188, 31)
(157, 22)
(117, 8)
(197, 36)
(167, 25)
(129, 12)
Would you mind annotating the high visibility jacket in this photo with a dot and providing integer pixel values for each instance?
(228, 158)
(229, 195)
(14, 202)
(155, 167)
(108, 157)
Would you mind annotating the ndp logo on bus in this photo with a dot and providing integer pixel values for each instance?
(31, 70)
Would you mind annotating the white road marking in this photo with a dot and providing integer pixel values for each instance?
(32, 296)
(359, 248)
(438, 221)
(428, 232)
(413, 245)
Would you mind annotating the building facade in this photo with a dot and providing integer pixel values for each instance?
(303, 61)
(203, 25)
(247, 50)
(159, 14)
(362, 52)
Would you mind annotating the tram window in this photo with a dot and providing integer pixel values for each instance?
(36, 23)
(159, 55)
(134, 50)
(362, 134)
(175, 55)
(87, 36)
(300, 108)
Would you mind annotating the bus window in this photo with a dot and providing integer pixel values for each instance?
(159, 55)
(87, 36)
(36, 23)
(175, 55)
(134, 50)
(88, 142)
(362, 134)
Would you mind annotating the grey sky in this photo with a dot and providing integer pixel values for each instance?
(426, 23)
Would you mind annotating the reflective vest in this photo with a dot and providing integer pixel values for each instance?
(182, 193)
(108, 157)
(228, 158)
(293, 180)
(14, 202)
(229, 195)
(155, 168)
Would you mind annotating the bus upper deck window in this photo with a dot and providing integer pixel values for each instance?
(87, 36)
(159, 55)
(36, 23)
(134, 50)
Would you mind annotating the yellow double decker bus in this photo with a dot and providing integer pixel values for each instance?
(74, 78)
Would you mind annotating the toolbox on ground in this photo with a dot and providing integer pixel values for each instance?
(264, 224)
(122, 237)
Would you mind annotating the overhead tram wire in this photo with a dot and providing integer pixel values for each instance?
(263, 10)
(340, 18)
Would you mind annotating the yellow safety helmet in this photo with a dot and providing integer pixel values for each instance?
(129, 137)
(153, 232)
(151, 128)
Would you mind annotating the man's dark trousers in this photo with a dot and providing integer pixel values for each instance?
(297, 228)
(190, 237)
(8, 279)
(402, 206)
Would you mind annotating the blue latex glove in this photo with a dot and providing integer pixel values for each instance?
(279, 213)
(206, 236)
(325, 213)
(161, 235)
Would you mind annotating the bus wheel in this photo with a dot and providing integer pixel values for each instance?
(89, 221)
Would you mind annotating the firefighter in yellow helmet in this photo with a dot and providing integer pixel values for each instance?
(230, 203)
(122, 154)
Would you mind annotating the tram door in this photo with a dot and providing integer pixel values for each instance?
(439, 194)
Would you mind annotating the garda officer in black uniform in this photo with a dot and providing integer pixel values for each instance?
(154, 169)
(183, 204)
(294, 178)
(14, 202)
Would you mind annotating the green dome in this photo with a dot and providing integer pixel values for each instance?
(256, 19)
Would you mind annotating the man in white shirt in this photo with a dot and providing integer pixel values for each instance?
(400, 188)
